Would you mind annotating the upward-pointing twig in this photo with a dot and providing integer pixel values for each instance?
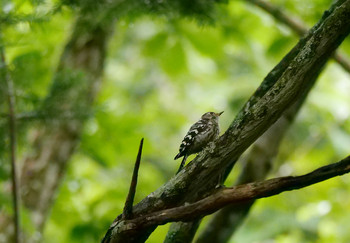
(12, 134)
(127, 212)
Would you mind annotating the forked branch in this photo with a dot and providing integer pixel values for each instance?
(236, 195)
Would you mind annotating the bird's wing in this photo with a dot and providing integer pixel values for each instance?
(197, 128)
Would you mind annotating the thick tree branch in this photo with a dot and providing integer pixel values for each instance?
(306, 60)
(297, 26)
(257, 164)
(13, 144)
(184, 232)
(131, 195)
(236, 195)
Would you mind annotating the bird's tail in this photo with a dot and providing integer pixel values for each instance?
(182, 163)
(178, 156)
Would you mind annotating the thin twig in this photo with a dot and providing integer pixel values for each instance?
(13, 144)
(23, 116)
(127, 213)
(298, 26)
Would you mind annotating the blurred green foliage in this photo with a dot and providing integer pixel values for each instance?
(162, 72)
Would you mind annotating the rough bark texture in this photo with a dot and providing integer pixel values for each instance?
(184, 231)
(257, 165)
(306, 60)
(73, 90)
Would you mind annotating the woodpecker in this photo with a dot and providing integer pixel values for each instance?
(200, 134)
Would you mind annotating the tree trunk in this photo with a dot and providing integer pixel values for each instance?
(68, 105)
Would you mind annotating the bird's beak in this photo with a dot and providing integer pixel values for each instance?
(219, 114)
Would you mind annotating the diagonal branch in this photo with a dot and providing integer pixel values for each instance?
(257, 164)
(131, 195)
(307, 59)
(180, 231)
(237, 195)
(297, 26)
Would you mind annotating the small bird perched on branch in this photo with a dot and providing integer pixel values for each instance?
(200, 134)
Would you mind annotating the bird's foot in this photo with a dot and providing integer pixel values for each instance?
(220, 186)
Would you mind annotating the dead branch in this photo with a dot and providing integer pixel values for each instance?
(127, 213)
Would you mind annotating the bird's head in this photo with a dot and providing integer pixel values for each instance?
(211, 115)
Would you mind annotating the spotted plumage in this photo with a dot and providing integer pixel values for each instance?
(200, 134)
